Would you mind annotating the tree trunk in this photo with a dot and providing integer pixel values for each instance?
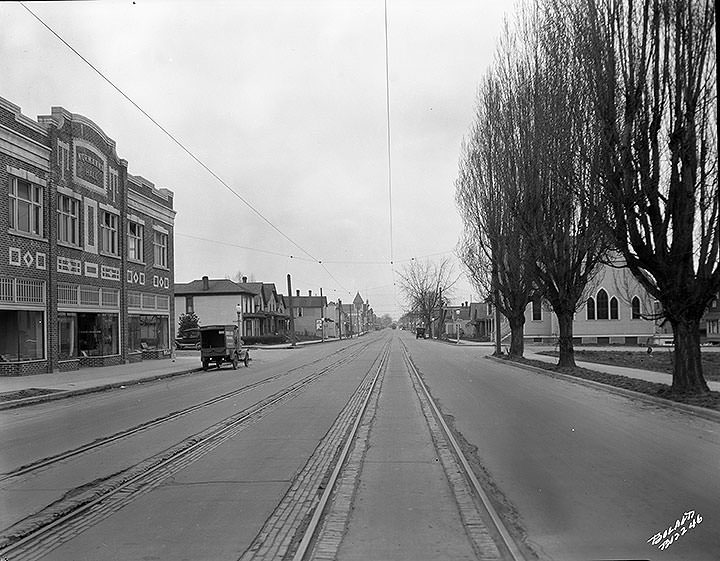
(567, 352)
(687, 364)
(517, 341)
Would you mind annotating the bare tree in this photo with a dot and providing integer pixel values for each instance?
(494, 247)
(425, 285)
(652, 66)
(560, 191)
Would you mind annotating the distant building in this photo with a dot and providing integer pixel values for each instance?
(215, 302)
(308, 314)
(618, 310)
(87, 277)
(711, 321)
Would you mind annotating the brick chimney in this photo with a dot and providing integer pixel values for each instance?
(298, 293)
(206, 283)
(244, 279)
(309, 292)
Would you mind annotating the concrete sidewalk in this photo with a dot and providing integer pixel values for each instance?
(87, 380)
(658, 377)
(47, 387)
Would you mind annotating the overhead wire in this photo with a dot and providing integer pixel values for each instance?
(181, 145)
(389, 147)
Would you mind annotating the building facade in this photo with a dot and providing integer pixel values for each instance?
(87, 249)
(216, 301)
(308, 314)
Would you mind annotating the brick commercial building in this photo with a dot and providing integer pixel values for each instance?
(86, 249)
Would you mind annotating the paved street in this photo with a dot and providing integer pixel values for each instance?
(592, 475)
(576, 472)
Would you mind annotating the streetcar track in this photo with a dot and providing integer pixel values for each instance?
(105, 441)
(290, 528)
(35, 535)
(463, 465)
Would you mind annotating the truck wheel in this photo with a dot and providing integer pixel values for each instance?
(205, 364)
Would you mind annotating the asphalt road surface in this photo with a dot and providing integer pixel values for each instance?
(592, 475)
(577, 473)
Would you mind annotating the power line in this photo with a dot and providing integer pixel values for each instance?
(266, 251)
(389, 148)
(174, 139)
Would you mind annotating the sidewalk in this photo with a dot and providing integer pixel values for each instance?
(86, 380)
(658, 377)
(46, 387)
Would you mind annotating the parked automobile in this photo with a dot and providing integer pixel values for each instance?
(188, 339)
(420, 333)
(222, 343)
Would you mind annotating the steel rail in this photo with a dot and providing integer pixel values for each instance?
(508, 541)
(29, 468)
(252, 411)
(309, 533)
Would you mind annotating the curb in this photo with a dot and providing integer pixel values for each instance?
(14, 403)
(708, 414)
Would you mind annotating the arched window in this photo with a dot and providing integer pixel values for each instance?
(602, 304)
(614, 314)
(591, 308)
(636, 308)
(537, 309)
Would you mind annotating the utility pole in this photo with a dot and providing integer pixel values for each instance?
(340, 319)
(292, 319)
(322, 306)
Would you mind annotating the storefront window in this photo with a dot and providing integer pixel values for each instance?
(22, 335)
(148, 332)
(67, 334)
(98, 334)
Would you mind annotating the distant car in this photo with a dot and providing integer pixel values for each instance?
(420, 333)
(188, 339)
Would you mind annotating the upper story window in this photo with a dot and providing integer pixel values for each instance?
(109, 233)
(160, 242)
(135, 241)
(189, 305)
(25, 206)
(68, 219)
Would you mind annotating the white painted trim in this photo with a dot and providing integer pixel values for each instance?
(144, 205)
(68, 192)
(26, 175)
(109, 208)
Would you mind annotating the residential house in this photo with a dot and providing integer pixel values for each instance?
(308, 313)
(458, 318)
(269, 316)
(711, 321)
(216, 301)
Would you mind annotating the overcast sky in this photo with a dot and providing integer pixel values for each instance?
(286, 102)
